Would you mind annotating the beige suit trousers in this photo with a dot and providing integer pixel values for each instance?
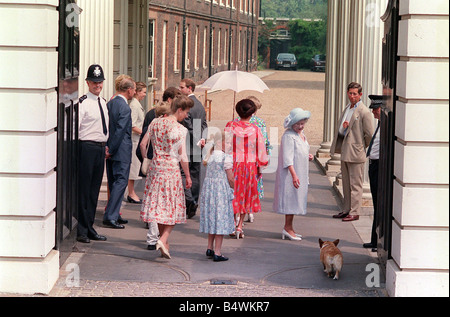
(352, 186)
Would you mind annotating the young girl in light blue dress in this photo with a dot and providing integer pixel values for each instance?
(216, 209)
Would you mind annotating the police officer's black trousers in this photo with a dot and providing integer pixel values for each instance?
(91, 168)
(373, 178)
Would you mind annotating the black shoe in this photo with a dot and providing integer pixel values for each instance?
(370, 245)
(122, 221)
(113, 224)
(219, 258)
(151, 247)
(209, 253)
(83, 239)
(131, 200)
(191, 210)
(97, 237)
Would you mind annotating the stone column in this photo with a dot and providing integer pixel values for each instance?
(330, 87)
(97, 19)
(28, 141)
(337, 98)
(420, 227)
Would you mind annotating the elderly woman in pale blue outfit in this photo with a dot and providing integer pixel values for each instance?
(292, 179)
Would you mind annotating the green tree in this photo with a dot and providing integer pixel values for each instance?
(294, 9)
(308, 39)
(264, 42)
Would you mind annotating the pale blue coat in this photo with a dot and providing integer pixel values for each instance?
(293, 152)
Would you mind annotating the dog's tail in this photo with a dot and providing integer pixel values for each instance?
(336, 263)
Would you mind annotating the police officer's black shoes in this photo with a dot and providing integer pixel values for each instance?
(83, 239)
(97, 237)
(370, 245)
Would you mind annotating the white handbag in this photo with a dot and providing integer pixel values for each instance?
(145, 166)
(146, 162)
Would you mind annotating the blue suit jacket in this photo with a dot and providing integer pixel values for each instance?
(119, 142)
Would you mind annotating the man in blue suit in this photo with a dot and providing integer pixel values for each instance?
(196, 124)
(119, 151)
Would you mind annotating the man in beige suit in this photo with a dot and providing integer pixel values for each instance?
(352, 136)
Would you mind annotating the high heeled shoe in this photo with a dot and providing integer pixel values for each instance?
(164, 252)
(239, 234)
(285, 234)
(132, 201)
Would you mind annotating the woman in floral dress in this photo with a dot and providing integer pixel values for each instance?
(164, 201)
(249, 154)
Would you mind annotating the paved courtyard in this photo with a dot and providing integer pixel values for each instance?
(262, 264)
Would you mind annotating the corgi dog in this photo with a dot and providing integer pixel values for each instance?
(331, 258)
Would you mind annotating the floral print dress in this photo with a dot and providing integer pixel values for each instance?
(261, 124)
(249, 153)
(164, 200)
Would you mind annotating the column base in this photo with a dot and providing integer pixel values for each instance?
(29, 276)
(415, 283)
(324, 150)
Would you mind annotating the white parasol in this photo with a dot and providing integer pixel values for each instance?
(235, 80)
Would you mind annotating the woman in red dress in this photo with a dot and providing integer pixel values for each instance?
(249, 155)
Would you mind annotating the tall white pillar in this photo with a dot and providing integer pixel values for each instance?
(330, 87)
(340, 78)
(28, 117)
(97, 42)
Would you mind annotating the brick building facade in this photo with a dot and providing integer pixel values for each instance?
(198, 38)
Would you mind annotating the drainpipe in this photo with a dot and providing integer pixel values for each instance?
(238, 34)
(183, 49)
(230, 35)
(210, 40)
(252, 35)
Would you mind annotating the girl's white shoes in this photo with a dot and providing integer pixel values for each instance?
(285, 234)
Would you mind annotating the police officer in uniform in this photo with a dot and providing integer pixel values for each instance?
(93, 135)
(373, 153)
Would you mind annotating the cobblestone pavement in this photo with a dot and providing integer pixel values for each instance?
(199, 290)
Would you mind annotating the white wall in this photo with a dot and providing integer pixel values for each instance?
(28, 117)
(420, 242)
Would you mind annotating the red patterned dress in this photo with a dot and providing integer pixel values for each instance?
(249, 153)
(164, 200)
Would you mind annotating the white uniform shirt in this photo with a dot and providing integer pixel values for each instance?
(375, 151)
(90, 127)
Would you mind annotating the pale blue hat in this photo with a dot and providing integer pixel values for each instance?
(296, 115)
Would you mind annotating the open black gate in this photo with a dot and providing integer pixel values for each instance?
(67, 161)
(387, 137)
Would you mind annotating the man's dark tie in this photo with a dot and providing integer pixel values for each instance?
(373, 139)
(105, 130)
